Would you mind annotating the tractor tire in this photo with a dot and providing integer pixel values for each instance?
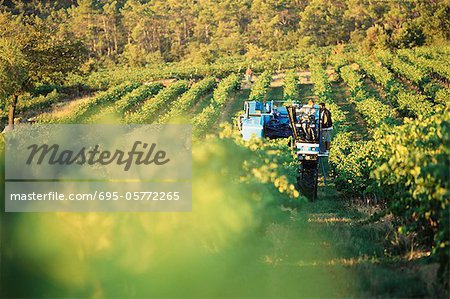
(307, 179)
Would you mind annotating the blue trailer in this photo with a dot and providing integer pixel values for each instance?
(261, 120)
(277, 119)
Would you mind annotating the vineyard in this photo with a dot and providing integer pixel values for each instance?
(382, 210)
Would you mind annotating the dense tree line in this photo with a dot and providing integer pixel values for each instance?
(42, 41)
(137, 32)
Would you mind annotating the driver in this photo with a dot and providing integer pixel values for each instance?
(309, 113)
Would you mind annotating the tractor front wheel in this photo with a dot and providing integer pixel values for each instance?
(307, 178)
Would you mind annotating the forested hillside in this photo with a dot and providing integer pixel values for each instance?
(137, 32)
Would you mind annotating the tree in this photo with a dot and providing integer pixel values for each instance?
(33, 53)
(144, 31)
(13, 76)
(323, 22)
(91, 25)
(376, 38)
(272, 21)
(50, 56)
(362, 15)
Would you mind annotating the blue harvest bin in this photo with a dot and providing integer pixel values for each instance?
(252, 126)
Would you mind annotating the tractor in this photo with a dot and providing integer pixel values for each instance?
(301, 124)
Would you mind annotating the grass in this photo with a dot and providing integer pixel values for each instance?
(201, 104)
(354, 120)
(367, 251)
(234, 106)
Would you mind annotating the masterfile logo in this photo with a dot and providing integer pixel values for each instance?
(98, 168)
(52, 155)
(97, 152)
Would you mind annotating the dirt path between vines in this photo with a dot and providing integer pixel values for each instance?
(234, 105)
(354, 120)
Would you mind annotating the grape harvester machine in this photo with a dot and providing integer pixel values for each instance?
(278, 119)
